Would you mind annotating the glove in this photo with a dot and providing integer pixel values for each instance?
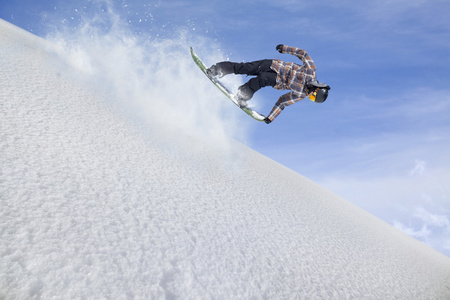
(280, 48)
(267, 120)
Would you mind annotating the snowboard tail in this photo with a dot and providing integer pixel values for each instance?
(254, 114)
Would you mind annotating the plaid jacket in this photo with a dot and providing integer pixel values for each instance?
(292, 76)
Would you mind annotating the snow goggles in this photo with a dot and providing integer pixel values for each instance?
(319, 95)
(313, 95)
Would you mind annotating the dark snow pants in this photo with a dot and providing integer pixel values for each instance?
(265, 76)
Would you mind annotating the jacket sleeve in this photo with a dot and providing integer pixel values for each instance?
(301, 54)
(283, 101)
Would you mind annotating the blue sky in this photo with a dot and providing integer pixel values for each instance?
(381, 140)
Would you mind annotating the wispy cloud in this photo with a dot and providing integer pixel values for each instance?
(433, 220)
(431, 228)
(419, 168)
(421, 234)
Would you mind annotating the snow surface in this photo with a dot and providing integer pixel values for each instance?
(95, 206)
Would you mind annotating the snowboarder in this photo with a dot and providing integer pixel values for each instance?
(301, 80)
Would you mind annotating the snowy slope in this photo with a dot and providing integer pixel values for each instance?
(95, 206)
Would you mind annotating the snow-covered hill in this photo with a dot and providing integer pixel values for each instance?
(95, 206)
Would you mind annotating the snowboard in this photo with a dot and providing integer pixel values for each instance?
(254, 114)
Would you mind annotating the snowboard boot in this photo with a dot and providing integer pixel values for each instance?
(244, 94)
(214, 71)
(220, 69)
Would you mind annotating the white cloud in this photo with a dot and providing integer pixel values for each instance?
(419, 168)
(432, 220)
(430, 228)
(420, 234)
